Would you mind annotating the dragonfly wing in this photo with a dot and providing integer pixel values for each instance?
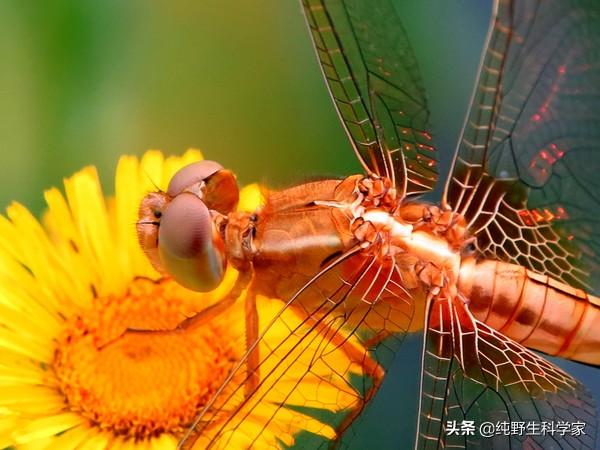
(374, 81)
(525, 173)
(471, 372)
(304, 384)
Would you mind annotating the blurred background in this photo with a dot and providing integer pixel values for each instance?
(83, 82)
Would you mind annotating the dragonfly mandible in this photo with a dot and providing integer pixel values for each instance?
(505, 263)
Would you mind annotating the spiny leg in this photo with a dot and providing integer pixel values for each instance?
(206, 315)
(377, 338)
(198, 319)
(253, 359)
(360, 356)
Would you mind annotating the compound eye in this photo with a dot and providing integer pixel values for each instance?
(192, 174)
(216, 186)
(190, 248)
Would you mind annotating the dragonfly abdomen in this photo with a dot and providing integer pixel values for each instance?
(532, 309)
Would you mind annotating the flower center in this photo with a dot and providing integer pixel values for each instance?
(142, 384)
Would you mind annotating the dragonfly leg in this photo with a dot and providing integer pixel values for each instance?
(358, 355)
(377, 338)
(197, 320)
(253, 360)
(251, 315)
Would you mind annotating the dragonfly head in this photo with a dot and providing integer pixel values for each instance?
(178, 229)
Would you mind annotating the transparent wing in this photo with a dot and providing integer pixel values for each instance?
(375, 84)
(473, 374)
(304, 383)
(526, 170)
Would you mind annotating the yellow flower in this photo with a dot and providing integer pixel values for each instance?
(78, 281)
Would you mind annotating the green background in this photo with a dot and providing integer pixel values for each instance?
(84, 81)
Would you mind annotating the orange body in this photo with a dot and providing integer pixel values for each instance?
(300, 229)
(534, 310)
(293, 237)
(297, 233)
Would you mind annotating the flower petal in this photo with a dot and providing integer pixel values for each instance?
(31, 400)
(46, 426)
(71, 438)
(23, 345)
(90, 215)
(20, 322)
(96, 441)
(151, 176)
(127, 201)
(164, 442)
(21, 374)
(251, 197)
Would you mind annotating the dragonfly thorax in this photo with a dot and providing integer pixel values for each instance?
(427, 241)
(237, 230)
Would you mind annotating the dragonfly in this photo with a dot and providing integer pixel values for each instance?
(506, 263)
